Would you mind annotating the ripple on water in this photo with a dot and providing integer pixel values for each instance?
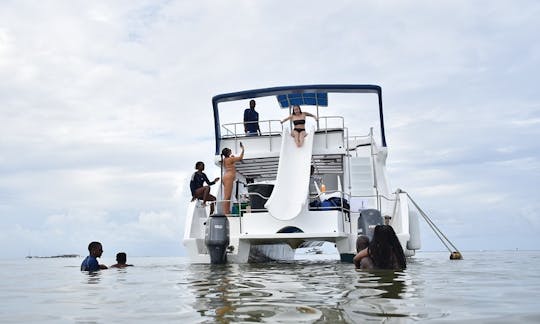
(485, 287)
(277, 312)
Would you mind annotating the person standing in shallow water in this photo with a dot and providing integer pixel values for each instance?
(90, 263)
(228, 161)
(121, 259)
(384, 250)
(362, 242)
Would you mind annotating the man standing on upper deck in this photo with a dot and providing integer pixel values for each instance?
(251, 120)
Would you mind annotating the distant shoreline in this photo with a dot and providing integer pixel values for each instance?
(53, 256)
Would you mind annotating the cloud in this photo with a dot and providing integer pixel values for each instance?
(106, 106)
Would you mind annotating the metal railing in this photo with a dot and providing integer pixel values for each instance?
(326, 119)
(345, 212)
(269, 127)
(237, 129)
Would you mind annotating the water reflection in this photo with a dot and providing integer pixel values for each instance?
(93, 277)
(300, 292)
(391, 283)
(377, 297)
(211, 286)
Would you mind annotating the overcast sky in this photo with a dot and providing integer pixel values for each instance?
(106, 105)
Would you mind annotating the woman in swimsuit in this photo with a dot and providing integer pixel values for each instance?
(299, 120)
(228, 161)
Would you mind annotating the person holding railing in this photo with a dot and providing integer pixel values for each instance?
(299, 121)
(228, 163)
(251, 120)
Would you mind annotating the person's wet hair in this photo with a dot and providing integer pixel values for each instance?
(299, 109)
(362, 242)
(385, 249)
(121, 257)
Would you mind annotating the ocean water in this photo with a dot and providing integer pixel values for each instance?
(485, 287)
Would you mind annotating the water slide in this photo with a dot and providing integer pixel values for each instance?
(292, 182)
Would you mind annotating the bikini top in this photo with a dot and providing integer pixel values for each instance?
(299, 122)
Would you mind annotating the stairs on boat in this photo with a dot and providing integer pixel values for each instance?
(361, 176)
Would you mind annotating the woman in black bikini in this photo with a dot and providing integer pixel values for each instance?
(299, 120)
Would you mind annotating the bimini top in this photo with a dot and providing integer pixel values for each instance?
(303, 99)
(313, 95)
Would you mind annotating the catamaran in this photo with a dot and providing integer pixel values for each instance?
(333, 188)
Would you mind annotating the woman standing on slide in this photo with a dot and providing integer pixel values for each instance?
(299, 121)
(228, 161)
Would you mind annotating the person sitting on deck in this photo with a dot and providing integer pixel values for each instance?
(384, 250)
(299, 121)
(198, 190)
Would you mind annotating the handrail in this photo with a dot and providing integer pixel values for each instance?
(236, 130)
(347, 212)
(235, 133)
(326, 118)
(231, 129)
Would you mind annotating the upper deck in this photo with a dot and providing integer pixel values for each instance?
(332, 140)
(303, 95)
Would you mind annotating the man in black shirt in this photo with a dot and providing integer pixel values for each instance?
(251, 120)
(198, 189)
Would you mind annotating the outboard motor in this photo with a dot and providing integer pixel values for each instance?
(367, 221)
(217, 238)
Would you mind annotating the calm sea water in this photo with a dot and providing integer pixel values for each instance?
(489, 287)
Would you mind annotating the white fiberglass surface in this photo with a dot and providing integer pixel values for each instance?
(292, 181)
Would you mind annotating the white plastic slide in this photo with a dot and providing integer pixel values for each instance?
(291, 189)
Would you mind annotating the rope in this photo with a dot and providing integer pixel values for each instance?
(435, 229)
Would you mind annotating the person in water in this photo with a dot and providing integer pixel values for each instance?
(299, 121)
(384, 250)
(121, 259)
(90, 263)
(228, 163)
(366, 263)
(198, 189)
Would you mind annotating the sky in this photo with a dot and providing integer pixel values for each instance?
(106, 105)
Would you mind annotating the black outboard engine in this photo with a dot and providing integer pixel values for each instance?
(217, 238)
(367, 221)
